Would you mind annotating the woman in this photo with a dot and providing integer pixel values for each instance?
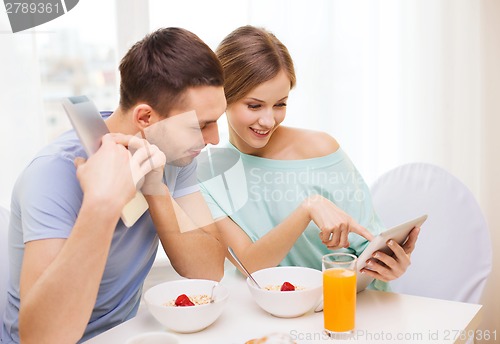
(305, 197)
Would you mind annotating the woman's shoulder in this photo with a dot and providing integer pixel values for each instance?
(309, 144)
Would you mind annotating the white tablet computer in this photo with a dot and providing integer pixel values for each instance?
(379, 243)
(90, 128)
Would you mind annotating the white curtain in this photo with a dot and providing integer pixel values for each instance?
(21, 115)
(394, 81)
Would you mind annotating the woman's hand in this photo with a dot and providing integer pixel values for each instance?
(334, 224)
(386, 267)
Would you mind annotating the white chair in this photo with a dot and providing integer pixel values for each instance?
(4, 261)
(453, 255)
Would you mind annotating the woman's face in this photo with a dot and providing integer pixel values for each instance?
(253, 119)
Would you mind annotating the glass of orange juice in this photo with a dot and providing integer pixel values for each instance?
(339, 293)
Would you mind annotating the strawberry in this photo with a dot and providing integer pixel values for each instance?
(287, 287)
(182, 301)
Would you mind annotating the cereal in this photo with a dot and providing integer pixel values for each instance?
(277, 287)
(198, 300)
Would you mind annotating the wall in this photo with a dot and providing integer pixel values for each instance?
(490, 155)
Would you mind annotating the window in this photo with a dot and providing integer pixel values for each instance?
(73, 54)
(78, 55)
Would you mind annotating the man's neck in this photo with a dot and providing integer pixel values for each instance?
(119, 122)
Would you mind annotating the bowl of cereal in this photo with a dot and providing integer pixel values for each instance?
(184, 305)
(287, 291)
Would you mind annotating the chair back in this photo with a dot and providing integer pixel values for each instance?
(453, 255)
(4, 261)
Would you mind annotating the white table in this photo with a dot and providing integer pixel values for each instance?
(381, 317)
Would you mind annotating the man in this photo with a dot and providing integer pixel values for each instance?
(77, 270)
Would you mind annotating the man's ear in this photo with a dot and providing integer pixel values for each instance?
(143, 116)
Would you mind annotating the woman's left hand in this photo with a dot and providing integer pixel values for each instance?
(386, 267)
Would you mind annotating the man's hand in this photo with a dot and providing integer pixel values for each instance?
(147, 164)
(106, 174)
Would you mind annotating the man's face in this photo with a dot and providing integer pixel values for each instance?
(190, 127)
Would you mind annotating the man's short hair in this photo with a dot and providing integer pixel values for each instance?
(158, 69)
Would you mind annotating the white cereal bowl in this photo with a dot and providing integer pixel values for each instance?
(185, 319)
(287, 304)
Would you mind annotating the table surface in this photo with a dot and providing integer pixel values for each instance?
(381, 317)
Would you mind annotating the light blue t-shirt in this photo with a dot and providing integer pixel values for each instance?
(45, 204)
(259, 193)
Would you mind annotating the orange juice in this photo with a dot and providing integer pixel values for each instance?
(339, 293)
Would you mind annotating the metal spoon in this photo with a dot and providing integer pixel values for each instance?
(212, 300)
(242, 267)
(319, 307)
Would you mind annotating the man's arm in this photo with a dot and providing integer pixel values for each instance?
(193, 247)
(60, 278)
(191, 242)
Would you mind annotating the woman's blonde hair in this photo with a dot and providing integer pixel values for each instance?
(249, 57)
